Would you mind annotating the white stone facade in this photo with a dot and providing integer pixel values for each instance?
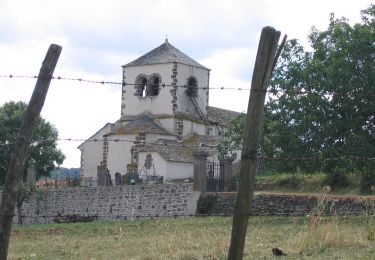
(165, 98)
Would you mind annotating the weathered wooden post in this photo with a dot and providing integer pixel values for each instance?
(264, 64)
(15, 167)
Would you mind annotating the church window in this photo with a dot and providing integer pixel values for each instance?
(192, 87)
(141, 86)
(154, 87)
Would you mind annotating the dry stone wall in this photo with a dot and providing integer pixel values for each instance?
(289, 205)
(166, 200)
(111, 202)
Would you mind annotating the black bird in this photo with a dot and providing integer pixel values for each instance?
(277, 252)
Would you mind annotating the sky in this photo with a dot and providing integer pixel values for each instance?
(98, 37)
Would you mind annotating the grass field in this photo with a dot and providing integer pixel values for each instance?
(193, 238)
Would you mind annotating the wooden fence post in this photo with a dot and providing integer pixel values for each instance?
(15, 167)
(264, 64)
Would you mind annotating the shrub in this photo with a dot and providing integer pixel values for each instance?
(336, 178)
(367, 181)
(205, 203)
(289, 182)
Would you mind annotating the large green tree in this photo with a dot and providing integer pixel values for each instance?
(43, 151)
(321, 102)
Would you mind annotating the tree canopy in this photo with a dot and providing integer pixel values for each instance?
(321, 102)
(43, 152)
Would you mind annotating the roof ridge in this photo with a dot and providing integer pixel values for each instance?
(165, 53)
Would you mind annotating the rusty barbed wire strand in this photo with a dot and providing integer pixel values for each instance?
(103, 82)
(271, 91)
(175, 143)
(164, 143)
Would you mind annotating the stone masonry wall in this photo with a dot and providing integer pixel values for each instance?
(167, 200)
(112, 202)
(288, 205)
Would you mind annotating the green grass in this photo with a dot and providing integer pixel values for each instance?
(192, 238)
(305, 183)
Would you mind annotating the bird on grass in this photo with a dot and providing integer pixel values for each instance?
(277, 252)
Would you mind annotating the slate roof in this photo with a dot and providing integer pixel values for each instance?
(141, 124)
(176, 151)
(91, 137)
(221, 116)
(165, 53)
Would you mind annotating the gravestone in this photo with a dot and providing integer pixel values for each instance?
(118, 178)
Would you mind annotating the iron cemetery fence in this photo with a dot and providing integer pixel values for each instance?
(215, 176)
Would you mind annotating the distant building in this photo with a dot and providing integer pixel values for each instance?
(165, 116)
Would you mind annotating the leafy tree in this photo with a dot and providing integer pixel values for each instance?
(24, 193)
(323, 101)
(43, 152)
(233, 137)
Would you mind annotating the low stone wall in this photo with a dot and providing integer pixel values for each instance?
(111, 203)
(287, 205)
(166, 200)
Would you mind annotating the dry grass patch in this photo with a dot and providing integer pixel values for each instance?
(191, 238)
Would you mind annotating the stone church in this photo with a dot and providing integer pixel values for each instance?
(165, 117)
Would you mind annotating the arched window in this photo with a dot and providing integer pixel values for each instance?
(154, 87)
(192, 87)
(141, 87)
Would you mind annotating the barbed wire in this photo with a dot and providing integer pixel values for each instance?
(318, 158)
(175, 143)
(103, 82)
(271, 91)
(117, 140)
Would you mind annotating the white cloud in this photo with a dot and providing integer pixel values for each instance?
(99, 36)
(296, 18)
(231, 68)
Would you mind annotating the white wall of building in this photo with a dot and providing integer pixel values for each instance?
(167, 123)
(202, 76)
(193, 127)
(155, 137)
(119, 155)
(159, 163)
(179, 170)
(160, 104)
(92, 153)
(168, 169)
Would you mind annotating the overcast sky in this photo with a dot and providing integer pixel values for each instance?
(99, 36)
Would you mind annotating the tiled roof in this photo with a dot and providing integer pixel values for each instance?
(221, 116)
(165, 53)
(183, 151)
(141, 124)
